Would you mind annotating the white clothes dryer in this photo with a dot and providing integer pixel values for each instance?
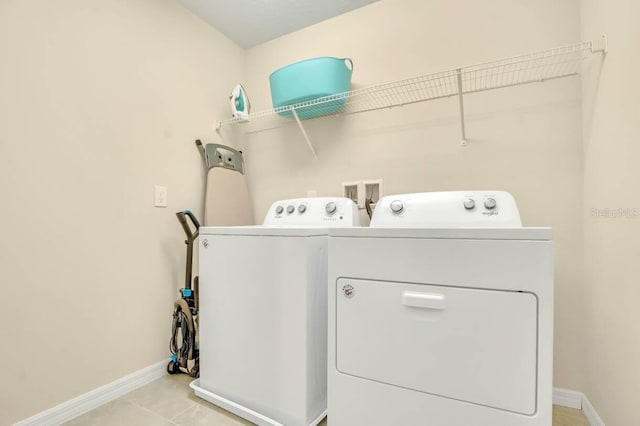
(263, 312)
(441, 314)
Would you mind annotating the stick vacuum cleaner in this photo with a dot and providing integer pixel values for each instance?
(183, 345)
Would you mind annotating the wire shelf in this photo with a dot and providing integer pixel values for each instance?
(549, 64)
(534, 67)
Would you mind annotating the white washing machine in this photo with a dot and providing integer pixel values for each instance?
(263, 312)
(441, 314)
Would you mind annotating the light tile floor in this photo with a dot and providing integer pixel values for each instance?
(170, 401)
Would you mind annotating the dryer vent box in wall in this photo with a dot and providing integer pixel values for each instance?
(352, 191)
(360, 191)
(373, 190)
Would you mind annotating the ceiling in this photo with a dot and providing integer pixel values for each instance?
(251, 22)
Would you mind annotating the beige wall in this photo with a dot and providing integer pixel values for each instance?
(611, 119)
(526, 140)
(99, 101)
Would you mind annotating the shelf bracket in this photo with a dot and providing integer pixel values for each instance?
(461, 102)
(304, 133)
(601, 45)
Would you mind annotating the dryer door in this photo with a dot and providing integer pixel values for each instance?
(474, 345)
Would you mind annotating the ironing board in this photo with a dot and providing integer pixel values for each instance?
(227, 200)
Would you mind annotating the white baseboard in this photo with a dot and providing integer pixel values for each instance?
(567, 398)
(590, 413)
(97, 397)
(578, 400)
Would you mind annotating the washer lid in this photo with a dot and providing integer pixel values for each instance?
(276, 231)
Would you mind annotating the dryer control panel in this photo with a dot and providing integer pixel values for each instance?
(450, 209)
(327, 212)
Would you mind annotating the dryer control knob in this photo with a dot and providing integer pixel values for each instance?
(279, 210)
(331, 207)
(396, 206)
(469, 203)
(490, 203)
(302, 208)
(290, 209)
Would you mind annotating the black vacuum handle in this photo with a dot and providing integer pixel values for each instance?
(193, 218)
(182, 217)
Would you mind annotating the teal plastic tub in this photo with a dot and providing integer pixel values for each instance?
(311, 79)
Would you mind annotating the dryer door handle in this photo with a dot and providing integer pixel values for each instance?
(424, 300)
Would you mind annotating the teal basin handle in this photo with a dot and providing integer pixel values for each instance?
(348, 63)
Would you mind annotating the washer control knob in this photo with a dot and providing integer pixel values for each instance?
(469, 204)
(490, 203)
(396, 206)
(331, 207)
(302, 208)
(279, 210)
(290, 209)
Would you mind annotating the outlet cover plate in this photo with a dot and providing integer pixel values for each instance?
(160, 199)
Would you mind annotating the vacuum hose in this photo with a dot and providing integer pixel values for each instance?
(183, 336)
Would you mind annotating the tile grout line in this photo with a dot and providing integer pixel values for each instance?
(183, 411)
(153, 412)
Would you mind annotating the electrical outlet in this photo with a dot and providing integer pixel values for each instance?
(160, 196)
(353, 191)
